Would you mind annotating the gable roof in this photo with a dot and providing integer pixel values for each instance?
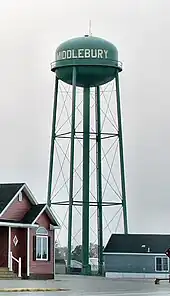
(36, 210)
(10, 191)
(7, 192)
(32, 214)
(52, 217)
(138, 243)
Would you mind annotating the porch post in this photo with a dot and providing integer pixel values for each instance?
(28, 252)
(9, 247)
(54, 258)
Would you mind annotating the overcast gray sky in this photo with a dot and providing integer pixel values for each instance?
(30, 31)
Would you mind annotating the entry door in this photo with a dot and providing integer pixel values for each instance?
(4, 247)
(19, 249)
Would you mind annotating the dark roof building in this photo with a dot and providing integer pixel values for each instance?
(138, 243)
(137, 256)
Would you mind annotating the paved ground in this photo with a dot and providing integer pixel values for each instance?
(91, 286)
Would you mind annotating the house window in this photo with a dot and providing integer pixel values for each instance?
(161, 264)
(41, 244)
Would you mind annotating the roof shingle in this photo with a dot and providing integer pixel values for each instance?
(31, 215)
(7, 192)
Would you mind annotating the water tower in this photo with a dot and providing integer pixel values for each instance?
(86, 64)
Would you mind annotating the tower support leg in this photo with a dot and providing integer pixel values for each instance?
(71, 171)
(99, 181)
(86, 144)
(52, 143)
(122, 171)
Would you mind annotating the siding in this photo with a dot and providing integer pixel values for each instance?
(130, 263)
(17, 209)
(20, 250)
(42, 267)
(44, 221)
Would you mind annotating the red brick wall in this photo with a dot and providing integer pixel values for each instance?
(17, 209)
(42, 267)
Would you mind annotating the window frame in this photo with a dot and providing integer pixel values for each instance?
(161, 257)
(42, 237)
(39, 233)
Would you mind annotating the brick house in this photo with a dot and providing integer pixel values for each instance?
(27, 231)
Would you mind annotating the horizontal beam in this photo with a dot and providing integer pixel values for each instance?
(91, 203)
(19, 225)
(91, 138)
(90, 133)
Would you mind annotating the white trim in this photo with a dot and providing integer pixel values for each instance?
(28, 252)
(10, 266)
(52, 227)
(20, 225)
(161, 257)
(9, 247)
(129, 275)
(139, 254)
(19, 267)
(43, 209)
(54, 218)
(11, 201)
(54, 252)
(49, 213)
(15, 240)
(30, 197)
(40, 233)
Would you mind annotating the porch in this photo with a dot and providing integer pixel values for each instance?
(15, 248)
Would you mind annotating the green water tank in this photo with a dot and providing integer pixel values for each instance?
(95, 59)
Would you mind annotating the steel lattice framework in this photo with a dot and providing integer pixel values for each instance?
(106, 165)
